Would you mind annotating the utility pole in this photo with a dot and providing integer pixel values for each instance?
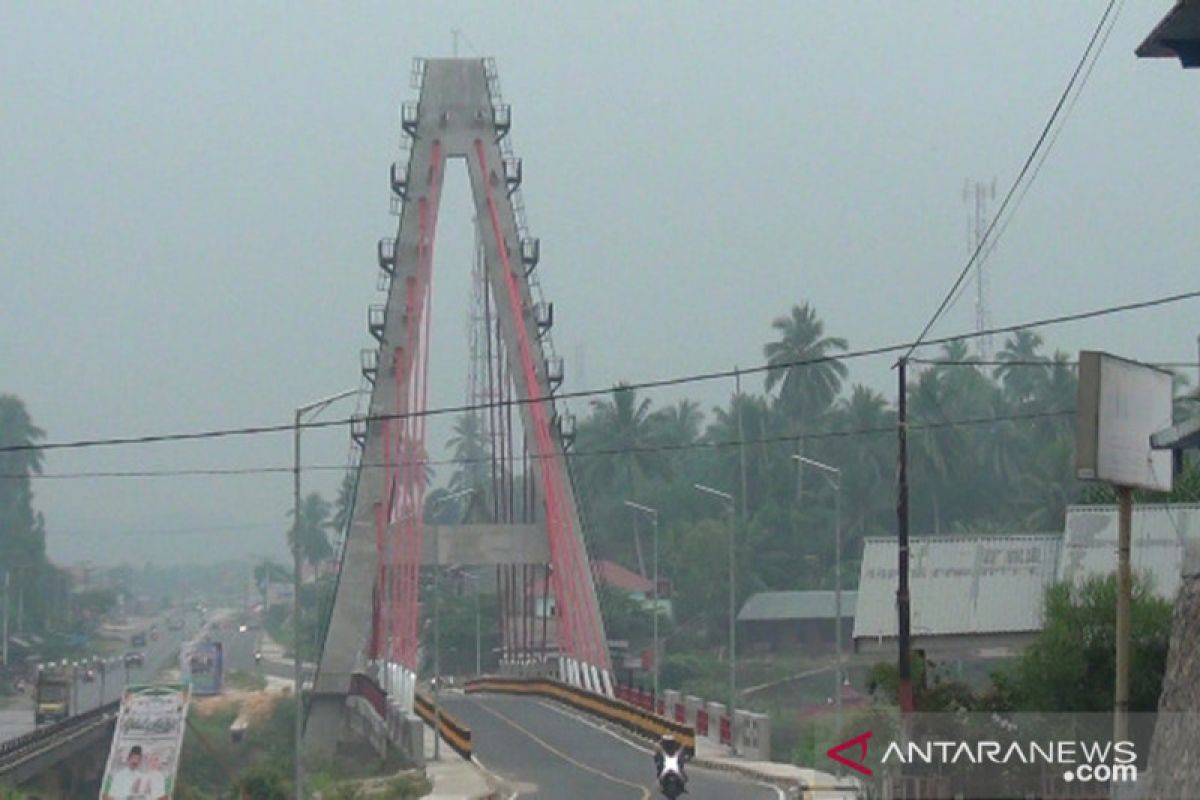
(297, 674)
(835, 480)
(4, 646)
(737, 383)
(732, 508)
(478, 656)
(904, 667)
(653, 514)
(1124, 602)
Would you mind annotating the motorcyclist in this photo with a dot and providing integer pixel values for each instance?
(669, 758)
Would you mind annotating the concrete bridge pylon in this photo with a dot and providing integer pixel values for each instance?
(375, 611)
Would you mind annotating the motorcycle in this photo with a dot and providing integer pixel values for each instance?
(671, 785)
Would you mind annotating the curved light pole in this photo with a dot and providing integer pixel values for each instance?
(835, 479)
(653, 514)
(728, 498)
(316, 407)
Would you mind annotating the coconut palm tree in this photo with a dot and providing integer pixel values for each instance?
(470, 448)
(802, 366)
(679, 424)
(621, 436)
(1020, 371)
(313, 530)
(869, 468)
(343, 507)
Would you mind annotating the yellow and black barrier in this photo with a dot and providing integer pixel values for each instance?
(637, 720)
(457, 735)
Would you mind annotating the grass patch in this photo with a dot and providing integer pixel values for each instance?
(245, 681)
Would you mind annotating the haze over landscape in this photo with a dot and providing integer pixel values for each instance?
(192, 197)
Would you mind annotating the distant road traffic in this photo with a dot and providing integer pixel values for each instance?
(160, 654)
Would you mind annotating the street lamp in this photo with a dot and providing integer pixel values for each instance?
(437, 628)
(317, 406)
(653, 513)
(835, 479)
(728, 498)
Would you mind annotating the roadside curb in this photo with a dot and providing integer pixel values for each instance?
(793, 787)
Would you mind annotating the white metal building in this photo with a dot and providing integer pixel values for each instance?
(975, 595)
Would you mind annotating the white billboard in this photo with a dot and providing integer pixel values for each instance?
(146, 744)
(1120, 404)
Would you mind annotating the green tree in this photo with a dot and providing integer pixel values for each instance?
(343, 507)
(868, 467)
(625, 431)
(469, 445)
(22, 529)
(1020, 372)
(802, 366)
(313, 530)
(1070, 667)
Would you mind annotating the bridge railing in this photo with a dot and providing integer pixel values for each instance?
(15, 750)
(453, 732)
(709, 720)
(638, 717)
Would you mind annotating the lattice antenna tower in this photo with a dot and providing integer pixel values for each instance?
(977, 195)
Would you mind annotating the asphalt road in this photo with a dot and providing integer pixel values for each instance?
(160, 654)
(546, 751)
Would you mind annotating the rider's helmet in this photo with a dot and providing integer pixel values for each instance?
(669, 744)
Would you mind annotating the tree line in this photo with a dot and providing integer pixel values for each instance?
(990, 450)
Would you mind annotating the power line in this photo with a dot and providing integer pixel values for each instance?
(698, 377)
(1053, 139)
(660, 448)
(1048, 363)
(1029, 161)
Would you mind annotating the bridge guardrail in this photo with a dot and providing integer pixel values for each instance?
(455, 734)
(452, 730)
(13, 750)
(635, 719)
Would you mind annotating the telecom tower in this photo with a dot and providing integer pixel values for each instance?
(977, 195)
(530, 527)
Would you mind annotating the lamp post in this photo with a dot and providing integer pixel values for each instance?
(728, 498)
(835, 479)
(437, 628)
(317, 406)
(653, 514)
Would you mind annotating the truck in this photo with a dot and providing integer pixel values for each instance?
(203, 667)
(52, 694)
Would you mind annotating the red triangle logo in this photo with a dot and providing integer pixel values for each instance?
(859, 742)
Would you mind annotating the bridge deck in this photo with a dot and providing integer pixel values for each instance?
(547, 751)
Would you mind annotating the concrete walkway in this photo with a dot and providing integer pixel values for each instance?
(455, 778)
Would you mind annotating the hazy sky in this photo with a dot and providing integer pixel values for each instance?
(191, 197)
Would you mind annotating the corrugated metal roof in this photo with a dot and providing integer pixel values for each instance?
(769, 606)
(958, 584)
(1157, 543)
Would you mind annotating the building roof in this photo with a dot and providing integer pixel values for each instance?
(778, 606)
(959, 585)
(610, 573)
(1157, 543)
(1176, 36)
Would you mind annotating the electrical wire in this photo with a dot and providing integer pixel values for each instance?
(660, 448)
(985, 241)
(698, 377)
